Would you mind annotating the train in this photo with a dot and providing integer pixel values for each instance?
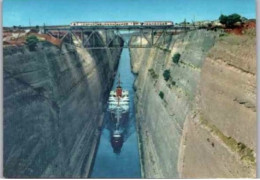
(124, 23)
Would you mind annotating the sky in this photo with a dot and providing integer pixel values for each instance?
(63, 12)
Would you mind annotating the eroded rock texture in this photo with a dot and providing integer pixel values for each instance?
(222, 126)
(53, 103)
(205, 123)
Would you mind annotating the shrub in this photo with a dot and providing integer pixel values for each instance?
(31, 42)
(166, 75)
(79, 65)
(176, 58)
(161, 94)
(153, 74)
(222, 34)
(230, 20)
(173, 83)
(40, 90)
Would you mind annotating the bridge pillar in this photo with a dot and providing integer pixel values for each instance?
(106, 39)
(70, 38)
(44, 30)
(164, 37)
(142, 34)
(82, 38)
(152, 36)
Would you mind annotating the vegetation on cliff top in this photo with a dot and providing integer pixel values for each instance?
(230, 20)
(153, 74)
(176, 58)
(31, 42)
(166, 75)
(161, 94)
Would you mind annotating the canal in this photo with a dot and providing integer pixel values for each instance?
(123, 164)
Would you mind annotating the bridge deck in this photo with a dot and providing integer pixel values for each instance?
(89, 37)
(67, 27)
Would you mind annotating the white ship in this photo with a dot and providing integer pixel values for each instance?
(118, 105)
(118, 100)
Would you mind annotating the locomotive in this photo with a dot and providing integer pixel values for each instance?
(124, 23)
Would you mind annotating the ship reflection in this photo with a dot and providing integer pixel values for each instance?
(119, 131)
(117, 141)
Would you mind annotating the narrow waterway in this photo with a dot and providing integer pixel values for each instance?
(125, 163)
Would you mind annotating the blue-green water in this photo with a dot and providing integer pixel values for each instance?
(126, 163)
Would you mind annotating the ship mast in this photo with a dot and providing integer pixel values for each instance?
(118, 82)
(118, 89)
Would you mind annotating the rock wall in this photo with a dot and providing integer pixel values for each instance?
(222, 127)
(54, 100)
(173, 134)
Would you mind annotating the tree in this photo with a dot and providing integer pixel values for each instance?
(161, 94)
(166, 75)
(230, 20)
(223, 19)
(233, 18)
(176, 58)
(31, 42)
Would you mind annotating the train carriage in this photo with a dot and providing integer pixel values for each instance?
(123, 23)
(118, 23)
(158, 23)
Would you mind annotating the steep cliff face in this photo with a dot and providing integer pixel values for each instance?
(222, 127)
(171, 144)
(53, 103)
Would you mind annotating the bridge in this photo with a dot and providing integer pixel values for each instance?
(102, 37)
